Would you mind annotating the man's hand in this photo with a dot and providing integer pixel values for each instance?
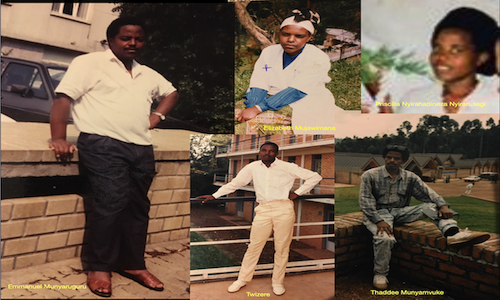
(445, 212)
(382, 227)
(153, 121)
(62, 148)
(248, 114)
(292, 196)
(206, 198)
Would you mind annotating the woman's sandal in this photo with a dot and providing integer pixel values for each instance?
(94, 284)
(145, 279)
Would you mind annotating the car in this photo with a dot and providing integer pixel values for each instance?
(28, 89)
(489, 175)
(472, 178)
(428, 179)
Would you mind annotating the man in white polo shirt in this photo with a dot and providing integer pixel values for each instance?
(109, 95)
(272, 180)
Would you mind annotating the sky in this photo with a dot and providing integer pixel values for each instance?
(353, 123)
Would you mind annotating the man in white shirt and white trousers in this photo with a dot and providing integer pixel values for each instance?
(272, 180)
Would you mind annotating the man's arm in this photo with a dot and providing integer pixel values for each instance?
(311, 179)
(424, 193)
(166, 105)
(243, 178)
(367, 201)
(368, 205)
(59, 116)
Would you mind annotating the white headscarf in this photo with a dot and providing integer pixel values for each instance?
(306, 19)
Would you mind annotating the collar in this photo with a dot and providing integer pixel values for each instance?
(386, 174)
(274, 163)
(136, 67)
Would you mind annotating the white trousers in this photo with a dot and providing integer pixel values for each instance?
(277, 217)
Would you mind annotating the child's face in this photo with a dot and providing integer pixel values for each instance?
(454, 57)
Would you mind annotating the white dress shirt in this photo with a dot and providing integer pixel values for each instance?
(273, 183)
(108, 101)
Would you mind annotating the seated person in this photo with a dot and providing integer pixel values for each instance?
(293, 73)
(384, 199)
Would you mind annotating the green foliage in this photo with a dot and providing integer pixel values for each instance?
(209, 256)
(383, 58)
(477, 215)
(345, 84)
(191, 44)
(268, 15)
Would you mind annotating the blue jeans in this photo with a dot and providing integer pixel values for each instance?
(382, 245)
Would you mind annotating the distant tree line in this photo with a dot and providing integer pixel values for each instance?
(434, 135)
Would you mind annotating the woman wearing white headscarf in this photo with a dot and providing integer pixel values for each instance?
(293, 73)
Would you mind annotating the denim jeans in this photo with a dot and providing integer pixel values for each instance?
(382, 245)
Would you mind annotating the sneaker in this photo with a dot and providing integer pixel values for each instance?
(236, 286)
(466, 238)
(380, 282)
(278, 289)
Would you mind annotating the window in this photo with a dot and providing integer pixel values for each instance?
(316, 163)
(317, 137)
(236, 144)
(293, 139)
(252, 143)
(292, 159)
(73, 9)
(24, 80)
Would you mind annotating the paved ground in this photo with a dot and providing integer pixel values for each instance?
(168, 261)
(314, 286)
(484, 189)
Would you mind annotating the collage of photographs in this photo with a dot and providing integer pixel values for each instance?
(279, 149)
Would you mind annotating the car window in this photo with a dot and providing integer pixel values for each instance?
(56, 75)
(25, 80)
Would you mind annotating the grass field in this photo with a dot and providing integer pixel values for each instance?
(477, 215)
(205, 257)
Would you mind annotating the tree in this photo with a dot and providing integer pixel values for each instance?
(261, 36)
(191, 44)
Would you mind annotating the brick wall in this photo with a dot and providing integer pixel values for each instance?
(45, 229)
(422, 255)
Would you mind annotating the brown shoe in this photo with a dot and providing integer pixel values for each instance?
(144, 278)
(99, 283)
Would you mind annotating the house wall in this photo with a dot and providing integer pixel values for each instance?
(32, 31)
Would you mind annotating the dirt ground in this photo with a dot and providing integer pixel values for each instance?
(358, 285)
(485, 190)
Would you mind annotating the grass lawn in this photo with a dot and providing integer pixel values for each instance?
(477, 215)
(209, 256)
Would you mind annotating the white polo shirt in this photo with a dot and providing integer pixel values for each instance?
(108, 101)
(273, 183)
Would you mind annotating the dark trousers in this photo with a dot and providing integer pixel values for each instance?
(117, 177)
